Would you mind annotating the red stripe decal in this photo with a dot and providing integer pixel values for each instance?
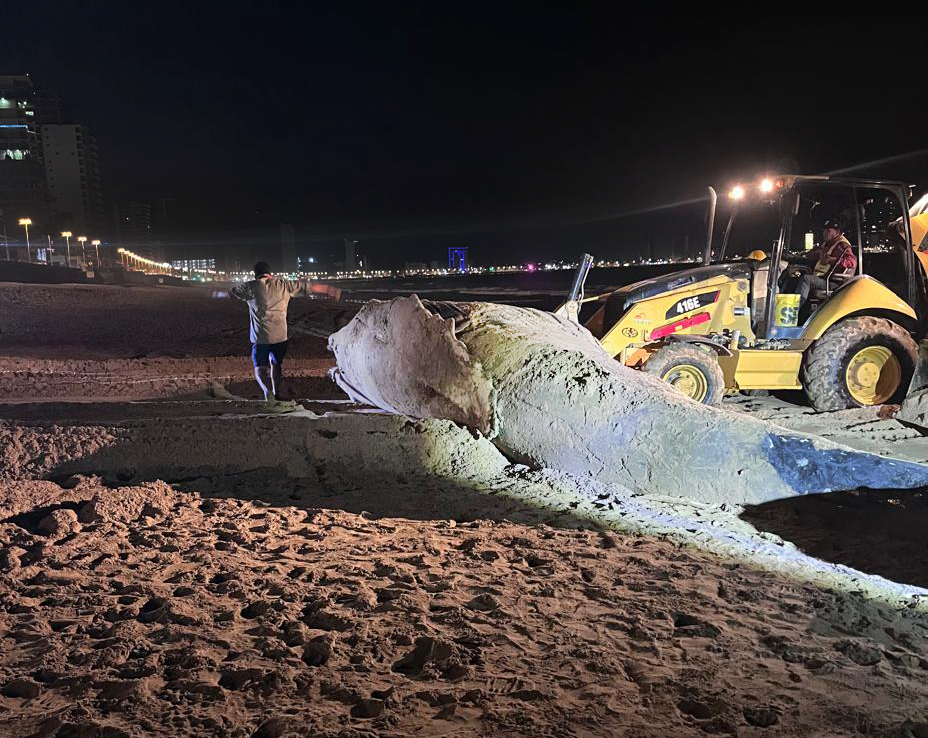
(666, 330)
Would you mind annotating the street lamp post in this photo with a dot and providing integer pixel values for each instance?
(96, 245)
(83, 239)
(67, 238)
(27, 222)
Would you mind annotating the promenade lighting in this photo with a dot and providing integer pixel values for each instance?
(141, 262)
(82, 239)
(27, 222)
(96, 245)
(67, 237)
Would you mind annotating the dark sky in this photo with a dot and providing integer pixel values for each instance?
(416, 127)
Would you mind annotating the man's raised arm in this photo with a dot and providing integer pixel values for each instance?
(306, 287)
(240, 292)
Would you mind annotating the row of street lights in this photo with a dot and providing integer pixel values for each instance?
(26, 222)
(140, 262)
(82, 239)
(131, 259)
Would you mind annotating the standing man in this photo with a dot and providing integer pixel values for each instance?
(267, 297)
(835, 253)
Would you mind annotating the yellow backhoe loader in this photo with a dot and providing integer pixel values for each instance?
(735, 322)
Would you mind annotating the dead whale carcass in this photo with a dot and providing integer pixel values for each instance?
(548, 395)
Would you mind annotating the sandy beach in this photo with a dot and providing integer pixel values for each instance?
(176, 561)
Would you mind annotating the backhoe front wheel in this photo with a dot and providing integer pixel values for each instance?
(859, 362)
(693, 371)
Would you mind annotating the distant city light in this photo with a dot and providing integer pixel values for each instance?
(141, 261)
(737, 192)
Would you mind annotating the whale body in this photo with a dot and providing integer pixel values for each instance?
(547, 394)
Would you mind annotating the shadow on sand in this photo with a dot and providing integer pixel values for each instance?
(875, 531)
(387, 467)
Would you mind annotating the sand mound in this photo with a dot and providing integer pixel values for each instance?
(352, 448)
(160, 612)
(558, 400)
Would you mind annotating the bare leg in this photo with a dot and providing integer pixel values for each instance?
(276, 379)
(263, 375)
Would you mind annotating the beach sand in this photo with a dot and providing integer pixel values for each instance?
(175, 561)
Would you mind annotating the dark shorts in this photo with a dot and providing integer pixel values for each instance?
(264, 354)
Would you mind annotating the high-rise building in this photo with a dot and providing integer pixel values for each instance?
(351, 260)
(72, 170)
(23, 192)
(457, 258)
(162, 227)
(49, 108)
(194, 265)
(288, 249)
(132, 230)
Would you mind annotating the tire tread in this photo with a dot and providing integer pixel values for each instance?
(822, 369)
(680, 353)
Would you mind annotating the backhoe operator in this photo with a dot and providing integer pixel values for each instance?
(834, 256)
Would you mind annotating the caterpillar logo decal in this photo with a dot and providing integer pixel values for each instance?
(695, 302)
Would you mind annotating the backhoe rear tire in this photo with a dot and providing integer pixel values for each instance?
(693, 371)
(859, 362)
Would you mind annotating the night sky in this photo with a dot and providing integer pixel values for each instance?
(521, 134)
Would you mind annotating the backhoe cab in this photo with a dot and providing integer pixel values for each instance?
(735, 322)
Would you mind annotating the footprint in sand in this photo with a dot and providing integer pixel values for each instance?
(427, 650)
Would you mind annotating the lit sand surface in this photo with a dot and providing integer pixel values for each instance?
(361, 449)
(188, 565)
(358, 574)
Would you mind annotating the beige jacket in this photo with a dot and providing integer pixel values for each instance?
(267, 300)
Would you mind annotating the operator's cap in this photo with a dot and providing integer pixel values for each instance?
(833, 223)
(262, 268)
